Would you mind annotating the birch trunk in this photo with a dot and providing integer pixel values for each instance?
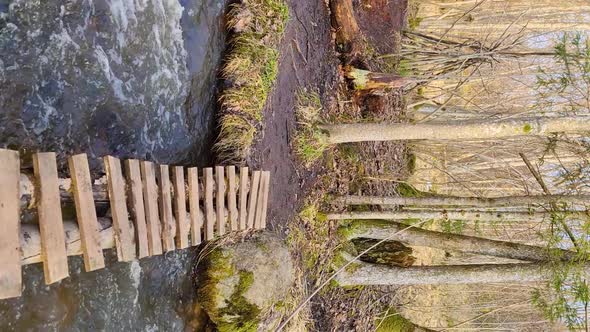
(464, 201)
(380, 230)
(484, 216)
(464, 130)
(379, 275)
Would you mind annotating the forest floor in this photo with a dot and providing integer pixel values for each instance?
(309, 64)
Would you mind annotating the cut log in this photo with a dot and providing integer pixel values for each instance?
(10, 266)
(85, 211)
(55, 263)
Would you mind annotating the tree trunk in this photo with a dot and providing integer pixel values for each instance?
(379, 230)
(366, 80)
(388, 253)
(380, 275)
(363, 132)
(28, 198)
(464, 201)
(483, 216)
(345, 24)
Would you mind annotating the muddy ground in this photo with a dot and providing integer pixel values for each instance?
(309, 61)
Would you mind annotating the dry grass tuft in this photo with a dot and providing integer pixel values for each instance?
(310, 142)
(250, 70)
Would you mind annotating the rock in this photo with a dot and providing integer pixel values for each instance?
(236, 282)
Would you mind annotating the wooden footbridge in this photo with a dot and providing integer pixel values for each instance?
(148, 205)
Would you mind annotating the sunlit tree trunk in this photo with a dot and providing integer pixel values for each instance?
(373, 274)
(380, 230)
(362, 132)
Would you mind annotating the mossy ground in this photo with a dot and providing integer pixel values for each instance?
(250, 69)
(310, 143)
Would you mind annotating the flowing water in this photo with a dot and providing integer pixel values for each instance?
(132, 78)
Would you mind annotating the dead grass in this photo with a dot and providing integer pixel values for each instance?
(310, 143)
(250, 69)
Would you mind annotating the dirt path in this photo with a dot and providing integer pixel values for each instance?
(307, 60)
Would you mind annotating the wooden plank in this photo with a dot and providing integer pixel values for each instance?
(266, 192)
(168, 226)
(209, 211)
(243, 200)
(232, 204)
(253, 198)
(135, 196)
(51, 228)
(150, 200)
(10, 264)
(124, 233)
(259, 202)
(220, 199)
(182, 226)
(193, 199)
(86, 212)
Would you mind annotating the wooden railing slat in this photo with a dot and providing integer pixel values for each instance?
(195, 211)
(266, 192)
(150, 196)
(51, 229)
(254, 185)
(182, 226)
(135, 196)
(209, 210)
(10, 264)
(243, 201)
(168, 226)
(220, 199)
(86, 212)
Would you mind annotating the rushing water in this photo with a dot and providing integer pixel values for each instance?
(132, 78)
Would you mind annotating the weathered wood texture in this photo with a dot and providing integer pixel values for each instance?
(255, 184)
(55, 260)
(182, 225)
(220, 199)
(195, 212)
(85, 212)
(136, 206)
(10, 266)
(243, 201)
(231, 198)
(150, 196)
(209, 210)
(168, 226)
(124, 232)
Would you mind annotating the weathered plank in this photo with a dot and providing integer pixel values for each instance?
(152, 215)
(10, 264)
(182, 226)
(124, 233)
(266, 192)
(51, 228)
(260, 202)
(193, 199)
(168, 226)
(220, 199)
(86, 212)
(243, 201)
(135, 196)
(232, 205)
(209, 211)
(254, 185)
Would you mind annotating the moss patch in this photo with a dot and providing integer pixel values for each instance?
(239, 314)
(250, 70)
(527, 128)
(393, 322)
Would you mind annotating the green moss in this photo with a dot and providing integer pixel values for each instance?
(414, 22)
(217, 267)
(527, 128)
(406, 190)
(239, 314)
(394, 322)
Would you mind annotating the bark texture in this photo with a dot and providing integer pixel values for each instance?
(378, 229)
(364, 132)
(366, 80)
(380, 275)
(483, 216)
(344, 22)
(464, 201)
